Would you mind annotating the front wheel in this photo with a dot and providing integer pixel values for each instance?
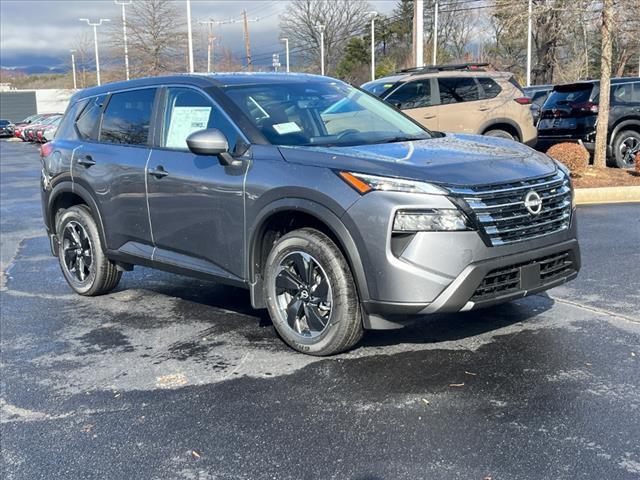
(626, 145)
(311, 296)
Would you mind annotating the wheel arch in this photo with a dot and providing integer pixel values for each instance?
(290, 214)
(67, 194)
(502, 123)
(632, 123)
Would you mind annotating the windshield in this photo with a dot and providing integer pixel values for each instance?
(321, 113)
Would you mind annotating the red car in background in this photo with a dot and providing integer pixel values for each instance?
(29, 132)
(20, 126)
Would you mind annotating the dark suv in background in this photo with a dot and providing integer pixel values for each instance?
(570, 113)
(335, 210)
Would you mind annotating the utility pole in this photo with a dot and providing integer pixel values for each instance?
(600, 155)
(418, 32)
(95, 26)
(73, 69)
(529, 34)
(286, 49)
(124, 34)
(211, 38)
(247, 43)
(373, 44)
(320, 28)
(190, 35)
(434, 61)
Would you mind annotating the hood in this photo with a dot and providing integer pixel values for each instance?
(452, 159)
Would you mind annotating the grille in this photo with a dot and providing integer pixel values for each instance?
(504, 280)
(501, 213)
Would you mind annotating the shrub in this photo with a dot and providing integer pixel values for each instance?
(573, 155)
(638, 163)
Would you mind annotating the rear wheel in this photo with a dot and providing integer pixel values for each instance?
(85, 267)
(626, 146)
(311, 295)
(499, 133)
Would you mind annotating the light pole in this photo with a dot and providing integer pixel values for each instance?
(373, 44)
(124, 34)
(320, 28)
(435, 34)
(73, 69)
(190, 39)
(286, 49)
(529, 43)
(95, 26)
(418, 32)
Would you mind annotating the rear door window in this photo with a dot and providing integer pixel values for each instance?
(488, 88)
(623, 93)
(458, 90)
(188, 111)
(88, 122)
(127, 118)
(416, 94)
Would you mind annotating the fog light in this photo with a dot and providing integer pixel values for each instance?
(430, 221)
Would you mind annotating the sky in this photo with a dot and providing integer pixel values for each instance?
(41, 32)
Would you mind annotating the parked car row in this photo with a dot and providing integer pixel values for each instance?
(467, 98)
(39, 128)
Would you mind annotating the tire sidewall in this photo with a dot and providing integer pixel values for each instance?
(343, 291)
(499, 134)
(620, 137)
(82, 216)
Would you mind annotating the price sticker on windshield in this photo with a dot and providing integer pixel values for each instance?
(285, 128)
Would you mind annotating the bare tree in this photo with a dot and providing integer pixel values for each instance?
(342, 19)
(156, 38)
(83, 46)
(600, 154)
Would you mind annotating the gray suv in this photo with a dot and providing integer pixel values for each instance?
(337, 212)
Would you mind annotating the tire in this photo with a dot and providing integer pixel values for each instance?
(623, 144)
(89, 273)
(317, 313)
(499, 133)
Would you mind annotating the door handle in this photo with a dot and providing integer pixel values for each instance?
(86, 161)
(483, 109)
(158, 172)
(429, 117)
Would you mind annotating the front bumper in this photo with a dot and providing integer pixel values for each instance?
(486, 283)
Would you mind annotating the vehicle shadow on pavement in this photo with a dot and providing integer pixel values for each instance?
(447, 327)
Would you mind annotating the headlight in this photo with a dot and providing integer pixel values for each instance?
(430, 221)
(364, 183)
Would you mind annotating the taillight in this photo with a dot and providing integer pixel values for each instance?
(523, 100)
(586, 107)
(46, 149)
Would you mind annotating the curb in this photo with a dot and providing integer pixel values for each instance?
(587, 196)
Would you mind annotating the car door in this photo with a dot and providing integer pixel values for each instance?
(195, 203)
(455, 113)
(110, 163)
(415, 99)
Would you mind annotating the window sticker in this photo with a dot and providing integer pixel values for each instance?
(184, 121)
(285, 128)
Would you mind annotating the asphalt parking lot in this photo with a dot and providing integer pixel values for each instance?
(174, 378)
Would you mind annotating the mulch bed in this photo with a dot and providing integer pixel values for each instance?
(606, 177)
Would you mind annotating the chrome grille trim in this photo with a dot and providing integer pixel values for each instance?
(501, 213)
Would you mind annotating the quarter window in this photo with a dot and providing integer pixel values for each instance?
(488, 88)
(188, 111)
(415, 94)
(458, 90)
(89, 120)
(127, 117)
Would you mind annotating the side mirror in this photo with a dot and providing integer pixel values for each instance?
(212, 142)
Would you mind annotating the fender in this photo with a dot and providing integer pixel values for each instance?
(633, 122)
(494, 121)
(79, 190)
(323, 214)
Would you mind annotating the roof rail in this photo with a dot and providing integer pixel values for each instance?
(476, 67)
